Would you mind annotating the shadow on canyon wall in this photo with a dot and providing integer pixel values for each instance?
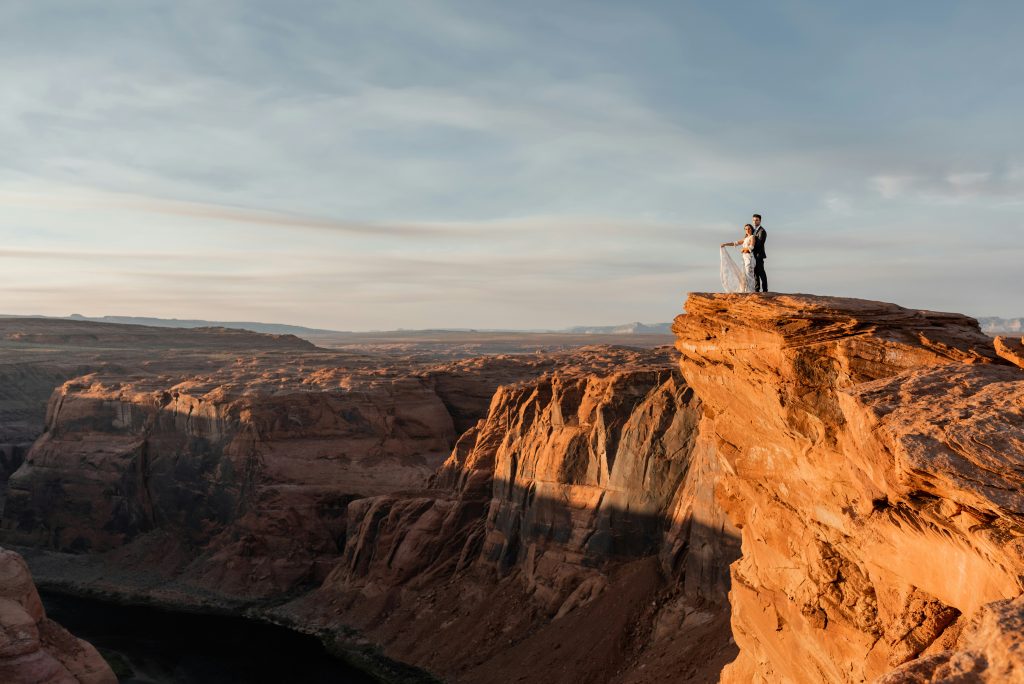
(486, 591)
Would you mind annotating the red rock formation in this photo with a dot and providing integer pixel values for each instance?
(988, 651)
(871, 458)
(33, 648)
(870, 455)
(231, 477)
(264, 479)
(536, 556)
(234, 478)
(1012, 351)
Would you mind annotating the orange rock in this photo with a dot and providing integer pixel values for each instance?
(579, 511)
(34, 649)
(1011, 351)
(871, 458)
(988, 652)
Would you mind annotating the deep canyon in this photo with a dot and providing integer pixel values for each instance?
(803, 489)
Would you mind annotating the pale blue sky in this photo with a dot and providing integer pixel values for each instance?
(411, 164)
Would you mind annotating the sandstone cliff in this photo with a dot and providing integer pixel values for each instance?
(232, 480)
(578, 516)
(37, 355)
(872, 459)
(562, 541)
(33, 648)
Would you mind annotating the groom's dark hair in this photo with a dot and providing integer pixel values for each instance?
(756, 216)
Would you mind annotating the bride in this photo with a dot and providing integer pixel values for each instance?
(733, 279)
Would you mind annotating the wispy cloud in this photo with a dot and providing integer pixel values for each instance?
(420, 162)
(1004, 183)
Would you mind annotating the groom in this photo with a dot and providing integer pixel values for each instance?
(760, 237)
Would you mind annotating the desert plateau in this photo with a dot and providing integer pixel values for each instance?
(802, 489)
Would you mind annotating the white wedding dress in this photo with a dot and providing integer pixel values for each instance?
(735, 278)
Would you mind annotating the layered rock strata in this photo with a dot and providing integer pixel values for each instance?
(33, 648)
(583, 525)
(872, 457)
(235, 481)
(556, 544)
(37, 355)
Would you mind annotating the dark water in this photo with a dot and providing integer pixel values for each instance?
(147, 645)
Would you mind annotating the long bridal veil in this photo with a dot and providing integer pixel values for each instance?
(732, 274)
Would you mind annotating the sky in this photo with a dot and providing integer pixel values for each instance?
(484, 164)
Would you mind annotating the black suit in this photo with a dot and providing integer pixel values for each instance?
(760, 277)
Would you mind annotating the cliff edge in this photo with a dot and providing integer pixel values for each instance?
(872, 457)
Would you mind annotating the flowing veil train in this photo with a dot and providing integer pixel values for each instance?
(732, 275)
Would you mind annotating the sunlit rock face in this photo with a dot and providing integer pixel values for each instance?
(236, 479)
(587, 473)
(580, 510)
(1011, 350)
(33, 648)
(545, 517)
(565, 474)
(872, 458)
(578, 516)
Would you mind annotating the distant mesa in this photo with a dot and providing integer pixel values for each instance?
(991, 325)
(635, 328)
(272, 328)
(86, 333)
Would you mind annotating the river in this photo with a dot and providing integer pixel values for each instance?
(153, 646)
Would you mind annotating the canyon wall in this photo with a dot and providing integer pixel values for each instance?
(33, 648)
(813, 489)
(872, 458)
(256, 484)
(233, 481)
(562, 540)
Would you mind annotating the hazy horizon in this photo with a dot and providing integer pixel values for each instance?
(484, 165)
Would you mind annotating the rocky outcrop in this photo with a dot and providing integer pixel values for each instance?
(586, 524)
(258, 483)
(38, 355)
(556, 543)
(232, 479)
(872, 459)
(1011, 350)
(571, 515)
(33, 648)
(988, 651)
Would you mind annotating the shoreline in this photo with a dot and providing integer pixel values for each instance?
(342, 643)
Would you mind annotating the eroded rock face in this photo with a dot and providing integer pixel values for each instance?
(577, 513)
(235, 478)
(585, 474)
(871, 456)
(223, 470)
(570, 531)
(1011, 350)
(33, 648)
(988, 651)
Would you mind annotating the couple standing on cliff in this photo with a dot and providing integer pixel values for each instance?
(752, 277)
